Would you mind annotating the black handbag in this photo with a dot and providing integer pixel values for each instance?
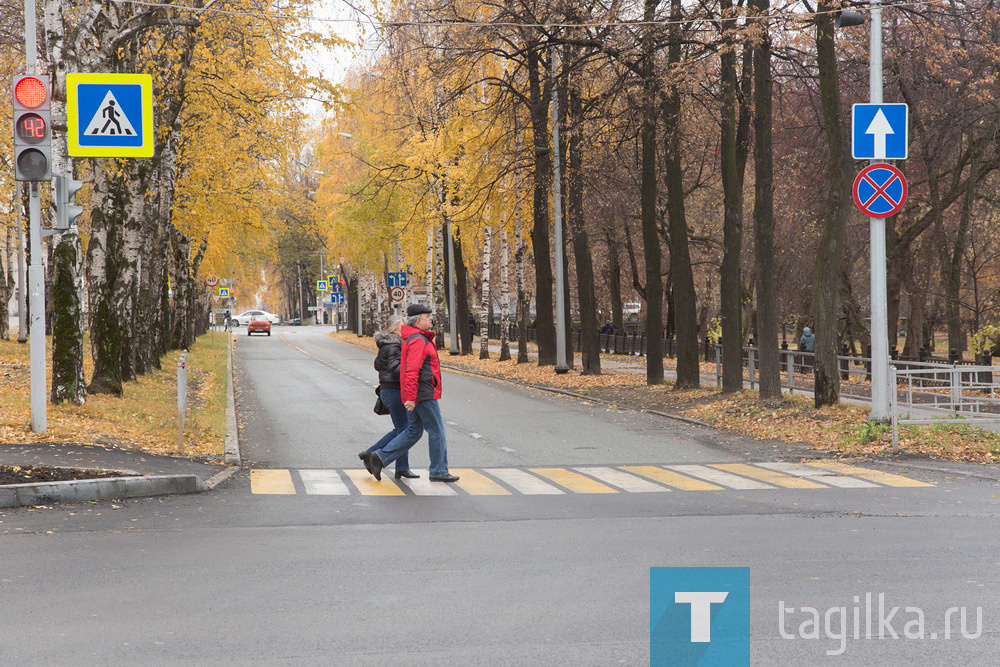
(380, 408)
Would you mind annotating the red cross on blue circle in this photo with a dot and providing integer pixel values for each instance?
(880, 190)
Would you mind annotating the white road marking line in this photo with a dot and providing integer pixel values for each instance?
(424, 487)
(508, 450)
(323, 483)
(817, 475)
(475, 435)
(622, 480)
(720, 477)
(522, 481)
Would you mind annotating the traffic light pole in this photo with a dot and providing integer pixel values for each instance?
(36, 290)
(36, 274)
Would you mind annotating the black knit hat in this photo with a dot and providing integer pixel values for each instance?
(415, 309)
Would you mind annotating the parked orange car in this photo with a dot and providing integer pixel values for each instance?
(259, 324)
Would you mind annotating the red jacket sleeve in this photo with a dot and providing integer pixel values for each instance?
(414, 353)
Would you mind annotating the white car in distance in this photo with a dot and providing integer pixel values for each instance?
(244, 318)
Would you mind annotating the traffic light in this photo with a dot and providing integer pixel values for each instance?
(32, 129)
(66, 211)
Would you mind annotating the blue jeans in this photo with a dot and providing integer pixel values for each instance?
(426, 415)
(400, 419)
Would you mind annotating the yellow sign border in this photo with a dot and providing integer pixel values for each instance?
(72, 111)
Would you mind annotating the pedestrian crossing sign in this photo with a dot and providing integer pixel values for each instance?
(109, 115)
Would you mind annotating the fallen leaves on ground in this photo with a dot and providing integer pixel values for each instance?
(144, 418)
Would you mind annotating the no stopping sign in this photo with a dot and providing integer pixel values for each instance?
(880, 190)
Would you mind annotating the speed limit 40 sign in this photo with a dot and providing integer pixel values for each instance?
(397, 293)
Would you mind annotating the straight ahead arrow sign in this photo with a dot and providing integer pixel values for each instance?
(879, 128)
(879, 131)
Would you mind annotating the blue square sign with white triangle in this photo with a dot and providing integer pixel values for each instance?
(109, 115)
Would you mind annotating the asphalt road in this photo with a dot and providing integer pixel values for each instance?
(238, 577)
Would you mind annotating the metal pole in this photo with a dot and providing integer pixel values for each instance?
(561, 366)
(30, 39)
(36, 280)
(36, 274)
(880, 317)
(181, 398)
(22, 287)
(452, 312)
(360, 330)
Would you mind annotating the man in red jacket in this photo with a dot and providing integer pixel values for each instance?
(420, 389)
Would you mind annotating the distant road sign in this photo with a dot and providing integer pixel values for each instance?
(321, 285)
(880, 190)
(397, 293)
(879, 131)
(396, 279)
(211, 281)
(337, 297)
(224, 292)
(110, 115)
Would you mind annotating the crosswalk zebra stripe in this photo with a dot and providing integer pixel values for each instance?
(824, 476)
(477, 484)
(866, 474)
(671, 478)
(422, 486)
(622, 480)
(769, 476)
(720, 477)
(271, 482)
(523, 482)
(573, 481)
(323, 483)
(367, 485)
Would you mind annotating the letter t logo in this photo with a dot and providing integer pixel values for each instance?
(701, 611)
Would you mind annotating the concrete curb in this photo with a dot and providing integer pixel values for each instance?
(113, 488)
(220, 477)
(232, 446)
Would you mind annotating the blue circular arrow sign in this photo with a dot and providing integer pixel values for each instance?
(880, 190)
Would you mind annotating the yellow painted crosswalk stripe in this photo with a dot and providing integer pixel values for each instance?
(368, 486)
(573, 481)
(671, 478)
(877, 476)
(477, 484)
(769, 476)
(272, 482)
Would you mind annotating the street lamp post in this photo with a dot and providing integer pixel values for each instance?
(561, 366)
(880, 317)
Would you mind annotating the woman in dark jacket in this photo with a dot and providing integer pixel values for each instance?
(390, 347)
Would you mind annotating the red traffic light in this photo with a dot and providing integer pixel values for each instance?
(30, 92)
